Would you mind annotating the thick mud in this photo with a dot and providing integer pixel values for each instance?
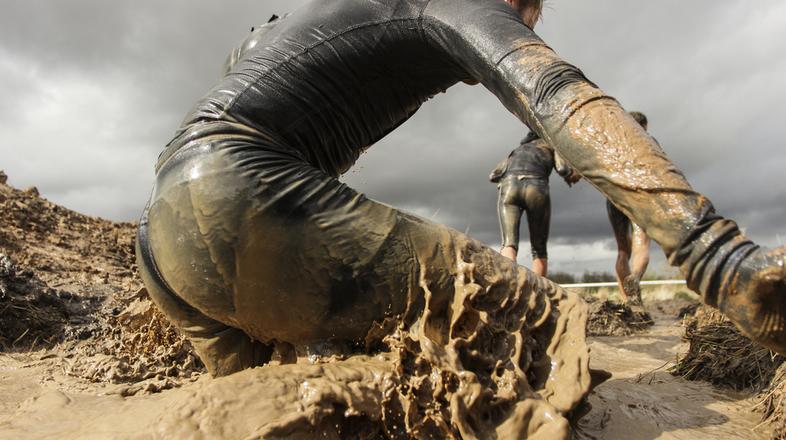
(85, 355)
(644, 401)
(341, 399)
(609, 318)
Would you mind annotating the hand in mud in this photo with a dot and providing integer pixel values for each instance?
(757, 301)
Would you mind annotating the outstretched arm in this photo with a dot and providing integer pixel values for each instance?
(588, 128)
(598, 138)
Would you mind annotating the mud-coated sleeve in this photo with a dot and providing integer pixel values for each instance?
(588, 128)
(612, 152)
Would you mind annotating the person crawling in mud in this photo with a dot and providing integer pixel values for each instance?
(250, 240)
(633, 244)
(523, 182)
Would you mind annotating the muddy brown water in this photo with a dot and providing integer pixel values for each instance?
(641, 401)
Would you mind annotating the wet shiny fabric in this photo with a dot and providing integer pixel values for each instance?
(533, 160)
(530, 195)
(523, 182)
(249, 226)
(305, 262)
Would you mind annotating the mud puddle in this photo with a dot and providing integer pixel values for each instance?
(643, 401)
(640, 401)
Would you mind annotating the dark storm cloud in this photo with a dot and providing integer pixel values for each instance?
(93, 90)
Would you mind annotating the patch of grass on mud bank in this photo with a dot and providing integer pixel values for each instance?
(718, 353)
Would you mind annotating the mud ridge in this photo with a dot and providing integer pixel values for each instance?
(608, 318)
(68, 284)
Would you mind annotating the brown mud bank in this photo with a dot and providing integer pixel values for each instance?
(85, 355)
(90, 357)
(609, 318)
(68, 286)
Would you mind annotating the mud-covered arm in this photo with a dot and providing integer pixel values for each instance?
(613, 153)
(588, 128)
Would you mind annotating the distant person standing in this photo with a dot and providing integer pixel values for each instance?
(633, 244)
(523, 182)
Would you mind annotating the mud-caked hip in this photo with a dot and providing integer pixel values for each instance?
(262, 241)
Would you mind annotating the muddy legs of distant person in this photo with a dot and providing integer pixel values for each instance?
(631, 242)
(509, 252)
(540, 266)
(640, 259)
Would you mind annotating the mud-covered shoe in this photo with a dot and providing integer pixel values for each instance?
(756, 300)
(631, 287)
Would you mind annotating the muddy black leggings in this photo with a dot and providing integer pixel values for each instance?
(529, 195)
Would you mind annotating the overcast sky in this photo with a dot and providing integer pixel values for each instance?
(92, 90)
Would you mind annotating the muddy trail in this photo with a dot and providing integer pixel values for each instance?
(643, 400)
(84, 354)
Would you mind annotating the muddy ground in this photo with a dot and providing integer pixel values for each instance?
(84, 354)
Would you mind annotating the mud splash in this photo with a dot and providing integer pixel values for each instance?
(483, 363)
(502, 356)
(490, 370)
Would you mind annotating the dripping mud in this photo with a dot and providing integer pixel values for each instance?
(84, 354)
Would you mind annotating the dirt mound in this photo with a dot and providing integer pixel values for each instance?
(68, 283)
(607, 318)
(688, 311)
(720, 354)
(677, 307)
(31, 313)
(64, 247)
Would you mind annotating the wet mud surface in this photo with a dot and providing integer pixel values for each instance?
(69, 289)
(610, 318)
(643, 400)
(640, 401)
(85, 355)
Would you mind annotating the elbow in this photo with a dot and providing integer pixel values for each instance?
(554, 78)
(551, 88)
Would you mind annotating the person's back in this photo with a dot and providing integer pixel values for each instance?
(532, 160)
(329, 80)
